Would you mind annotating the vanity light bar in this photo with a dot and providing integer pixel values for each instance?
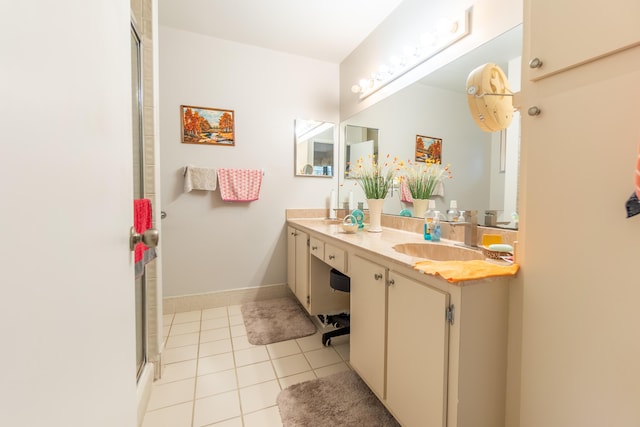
(449, 32)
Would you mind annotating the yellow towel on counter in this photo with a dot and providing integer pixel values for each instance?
(457, 271)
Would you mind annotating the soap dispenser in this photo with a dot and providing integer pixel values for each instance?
(427, 226)
(428, 218)
(452, 213)
(436, 231)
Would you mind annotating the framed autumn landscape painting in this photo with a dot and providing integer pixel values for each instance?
(207, 126)
(428, 149)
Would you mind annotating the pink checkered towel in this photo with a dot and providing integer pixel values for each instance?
(239, 185)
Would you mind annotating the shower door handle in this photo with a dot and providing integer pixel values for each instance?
(150, 237)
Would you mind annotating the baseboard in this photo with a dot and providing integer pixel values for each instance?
(223, 298)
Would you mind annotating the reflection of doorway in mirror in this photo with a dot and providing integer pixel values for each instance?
(362, 150)
(322, 158)
(428, 149)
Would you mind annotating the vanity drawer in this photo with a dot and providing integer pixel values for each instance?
(335, 257)
(316, 247)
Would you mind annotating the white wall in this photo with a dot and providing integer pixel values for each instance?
(210, 245)
(67, 310)
(429, 111)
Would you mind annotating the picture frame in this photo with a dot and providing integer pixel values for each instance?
(207, 126)
(428, 149)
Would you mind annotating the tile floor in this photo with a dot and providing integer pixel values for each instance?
(212, 376)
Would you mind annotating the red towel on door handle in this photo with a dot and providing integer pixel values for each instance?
(141, 222)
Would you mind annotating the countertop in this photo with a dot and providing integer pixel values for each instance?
(377, 244)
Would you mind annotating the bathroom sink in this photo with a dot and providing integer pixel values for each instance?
(438, 251)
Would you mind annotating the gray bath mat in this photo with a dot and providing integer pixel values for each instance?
(276, 320)
(341, 399)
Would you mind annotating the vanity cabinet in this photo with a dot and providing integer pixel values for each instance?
(309, 263)
(570, 34)
(433, 353)
(298, 264)
(400, 324)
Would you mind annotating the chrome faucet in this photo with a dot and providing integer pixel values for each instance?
(470, 228)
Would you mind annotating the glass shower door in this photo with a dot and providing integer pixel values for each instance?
(138, 192)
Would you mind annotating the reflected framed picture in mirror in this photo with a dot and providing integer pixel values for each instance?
(428, 149)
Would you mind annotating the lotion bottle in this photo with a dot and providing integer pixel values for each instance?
(427, 226)
(428, 218)
(436, 231)
(452, 213)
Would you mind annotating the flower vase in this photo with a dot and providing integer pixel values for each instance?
(375, 215)
(420, 207)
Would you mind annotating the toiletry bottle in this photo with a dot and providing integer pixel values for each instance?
(436, 231)
(452, 213)
(428, 218)
(427, 226)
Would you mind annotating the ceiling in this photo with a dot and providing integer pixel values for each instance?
(327, 30)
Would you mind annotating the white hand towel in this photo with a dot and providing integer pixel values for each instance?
(199, 179)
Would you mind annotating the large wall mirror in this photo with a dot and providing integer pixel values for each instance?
(359, 143)
(484, 165)
(314, 148)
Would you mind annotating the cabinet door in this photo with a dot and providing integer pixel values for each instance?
(302, 268)
(291, 258)
(570, 32)
(417, 352)
(368, 322)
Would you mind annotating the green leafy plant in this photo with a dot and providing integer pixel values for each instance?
(422, 178)
(375, 178)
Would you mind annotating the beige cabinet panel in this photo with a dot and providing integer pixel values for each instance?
(298, 264)
(316, 247)
(368, 322)
(291, 258)
(336, 258)
(417, 352)
(563, 34)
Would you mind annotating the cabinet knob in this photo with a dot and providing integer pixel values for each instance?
(314, 248)
(377, 276)
(535, 63)
(332, 257)
(391, 282)
(534, 111)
